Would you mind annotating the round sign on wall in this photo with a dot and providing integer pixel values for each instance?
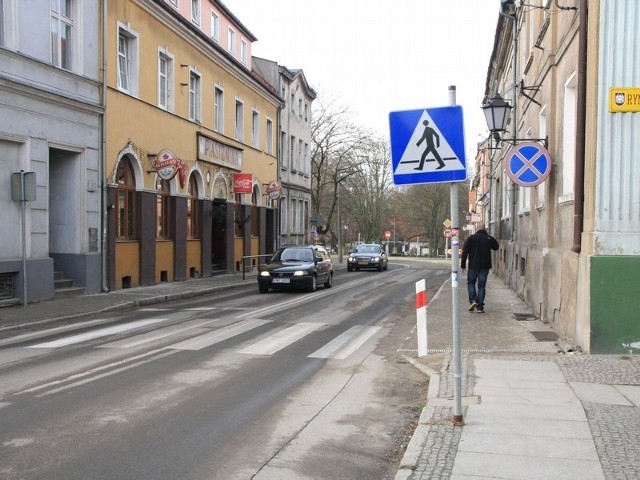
(528, 164)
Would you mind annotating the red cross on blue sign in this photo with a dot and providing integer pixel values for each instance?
(528, 164)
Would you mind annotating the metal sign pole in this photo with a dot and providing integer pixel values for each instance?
(23, 203)
(455, 294)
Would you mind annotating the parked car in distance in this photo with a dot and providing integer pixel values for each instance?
(367, 255)
(296, 267)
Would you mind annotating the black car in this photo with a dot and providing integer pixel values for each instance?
(296, 267)
(368, 255)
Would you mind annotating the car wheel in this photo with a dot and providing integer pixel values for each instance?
(263, 289)
(380, 268)
(329, 281)
(314, 284)
(386, 265)
(349, 269)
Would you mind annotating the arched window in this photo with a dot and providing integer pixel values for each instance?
(125, 201)
(193, 209)
(163, 209)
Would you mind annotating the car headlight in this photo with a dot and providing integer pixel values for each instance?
(265, 274)
(352, 259)
(300, 273)
(376, 259)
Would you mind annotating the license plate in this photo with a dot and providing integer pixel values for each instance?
(280, 280)
(363, 263)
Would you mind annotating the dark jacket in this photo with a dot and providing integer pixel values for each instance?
(478, 248)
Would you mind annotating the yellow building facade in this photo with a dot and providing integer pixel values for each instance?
(190, 151)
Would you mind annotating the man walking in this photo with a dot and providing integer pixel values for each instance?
(478, 249)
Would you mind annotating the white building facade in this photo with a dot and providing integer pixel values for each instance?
(294, 150)
(51, 123)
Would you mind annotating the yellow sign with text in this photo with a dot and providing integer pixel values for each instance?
(623, 99)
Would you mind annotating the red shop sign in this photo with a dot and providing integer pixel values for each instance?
(242, 183)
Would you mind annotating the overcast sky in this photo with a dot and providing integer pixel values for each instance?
(378, 57)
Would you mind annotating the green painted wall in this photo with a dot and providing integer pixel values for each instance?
(615, 304)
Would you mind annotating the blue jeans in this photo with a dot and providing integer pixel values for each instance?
(479, 276)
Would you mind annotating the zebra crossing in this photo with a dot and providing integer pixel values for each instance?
(199, 334)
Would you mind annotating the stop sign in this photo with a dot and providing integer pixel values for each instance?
(387, 234)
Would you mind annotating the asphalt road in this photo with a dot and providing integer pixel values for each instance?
(234, 385)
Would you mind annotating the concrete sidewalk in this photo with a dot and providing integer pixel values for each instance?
(531, 410)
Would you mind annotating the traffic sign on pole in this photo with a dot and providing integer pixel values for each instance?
(427, 146)
(528, 164)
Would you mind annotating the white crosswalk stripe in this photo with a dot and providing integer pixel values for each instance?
(282, 339)
(103, 332)
(217, 336)
(347, 343)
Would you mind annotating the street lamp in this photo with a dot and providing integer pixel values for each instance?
(497, 112)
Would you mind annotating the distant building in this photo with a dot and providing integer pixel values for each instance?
(294, 156)
(569, 246)
(51, 123)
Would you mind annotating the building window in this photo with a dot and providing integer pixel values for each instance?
(294, 219)
(165, 81)
(231, 42)
(125, 201)
(1, 23)
(255, 129)
(218, 110)
(283, 151)
(61, 29)
(569, 139)
(239, 121)
(306, 112)
(306, 162)
(244, 49)
(269, 146)
(293, 103)
(299, 157)
(163, 209)
(300, 108)
(541, 189)
(215, 26)
(193, 209)
(195, 11)
(195, 95)
(292, 151)
(127, 60)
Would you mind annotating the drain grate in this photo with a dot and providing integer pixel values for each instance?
(524, 316)
(545, 336)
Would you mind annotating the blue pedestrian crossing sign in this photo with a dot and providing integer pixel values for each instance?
(427, 145)
(528, 164)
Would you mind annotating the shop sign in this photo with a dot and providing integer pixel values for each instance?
(242, 183)
(212, 151)
(624, 99)
(274, 190)
(167, 165)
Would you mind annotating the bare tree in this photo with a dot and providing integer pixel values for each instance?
(335, 141)
(367, 192)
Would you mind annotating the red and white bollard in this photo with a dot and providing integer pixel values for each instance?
(421, 314)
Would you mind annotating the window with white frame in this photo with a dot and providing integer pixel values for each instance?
(300, 159)
(541, 189)
(244, 49)
(218, 109)
(215, 26)
(569, 139)
(285, 214)
(293, 103)
(255, 129)
(61, 33)
(283, 151)
(231, 41)
(165, 80)
(195, 96)
(127, 60)
(292, 151)
(307, 160)
(195, 11)
(294, 213)
(239, 133)
(300, 107)
(269, 143)
(306, 112)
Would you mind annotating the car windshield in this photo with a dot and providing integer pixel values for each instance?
(368, 249)
(296, 255)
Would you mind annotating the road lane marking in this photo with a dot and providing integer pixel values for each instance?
(281, 339)
(103, 332)
(346, 343)
(218, 336)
